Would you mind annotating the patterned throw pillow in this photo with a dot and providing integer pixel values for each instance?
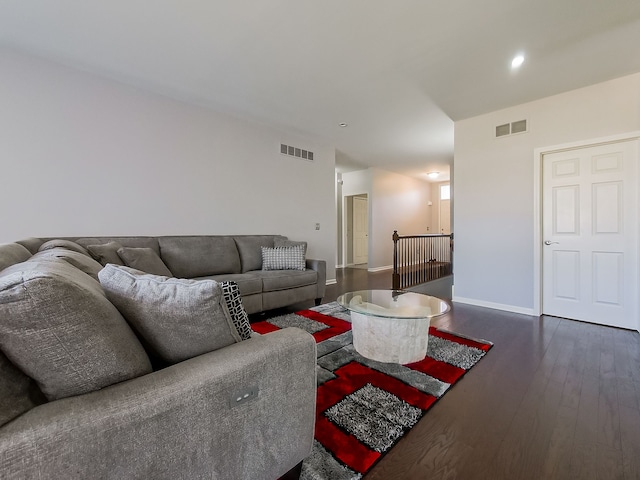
(238, 314)
(283, 258)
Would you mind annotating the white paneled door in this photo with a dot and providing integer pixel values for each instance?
(360, 230)
(445, 217)
(590, 234)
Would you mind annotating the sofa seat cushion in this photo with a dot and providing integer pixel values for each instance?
(12, 253)
(178, 318)
(199, 256)
(59, 329)
(274, 280)
(248, 283)
(18, 393)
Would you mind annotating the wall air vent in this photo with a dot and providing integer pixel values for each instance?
(512, 128)
(518, 127)
(502, 130)
(296, 152)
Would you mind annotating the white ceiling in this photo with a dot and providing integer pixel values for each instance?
(398, 72)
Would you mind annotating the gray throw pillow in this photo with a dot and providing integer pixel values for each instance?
(283, 258)
(237, 312)
(60, 243)
(18, 393)
(145, 260)
(177, 318)
(59, 329)
(106, 253)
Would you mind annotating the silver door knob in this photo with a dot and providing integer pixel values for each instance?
(549, 242)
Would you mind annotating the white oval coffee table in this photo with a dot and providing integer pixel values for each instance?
(391, 326)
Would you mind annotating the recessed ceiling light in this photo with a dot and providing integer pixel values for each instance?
(343, 124)
(433, 174)
(517, 61)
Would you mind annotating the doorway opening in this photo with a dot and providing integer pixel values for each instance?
(357, 234)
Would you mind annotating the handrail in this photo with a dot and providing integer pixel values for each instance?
(421, 258)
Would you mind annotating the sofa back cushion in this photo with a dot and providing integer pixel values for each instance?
(178, 318)
(59, 329)
(250, 248)
(32, 244)
(12, 253)
(62, 243)
(18, 393)
(82, 262)
(284, 242)
(199, 256)
(138, 242)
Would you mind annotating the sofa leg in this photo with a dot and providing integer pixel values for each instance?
(293, 474)
(318, 301)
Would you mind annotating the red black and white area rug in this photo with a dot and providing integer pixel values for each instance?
(364, 407)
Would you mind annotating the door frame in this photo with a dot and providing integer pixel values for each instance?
(537, 201)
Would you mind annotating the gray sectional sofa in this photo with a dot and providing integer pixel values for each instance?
(234, 258)
(79, 397)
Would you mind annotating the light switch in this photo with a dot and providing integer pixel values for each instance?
(317, 226)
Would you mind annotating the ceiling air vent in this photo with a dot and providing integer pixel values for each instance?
(512, 128)
(296, 152)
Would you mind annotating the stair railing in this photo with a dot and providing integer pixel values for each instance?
(421, 258)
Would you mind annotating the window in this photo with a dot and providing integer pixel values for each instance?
(445, 192)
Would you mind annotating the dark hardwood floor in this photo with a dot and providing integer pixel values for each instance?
(553, 399)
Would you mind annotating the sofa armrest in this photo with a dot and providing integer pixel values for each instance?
(180, 422)
(319, 266)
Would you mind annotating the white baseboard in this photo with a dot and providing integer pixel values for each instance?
(495, 306)
(380, 269)
(331, 281)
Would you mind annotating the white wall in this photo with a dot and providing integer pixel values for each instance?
(396, 202)
(494, 210)
(82, 155)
